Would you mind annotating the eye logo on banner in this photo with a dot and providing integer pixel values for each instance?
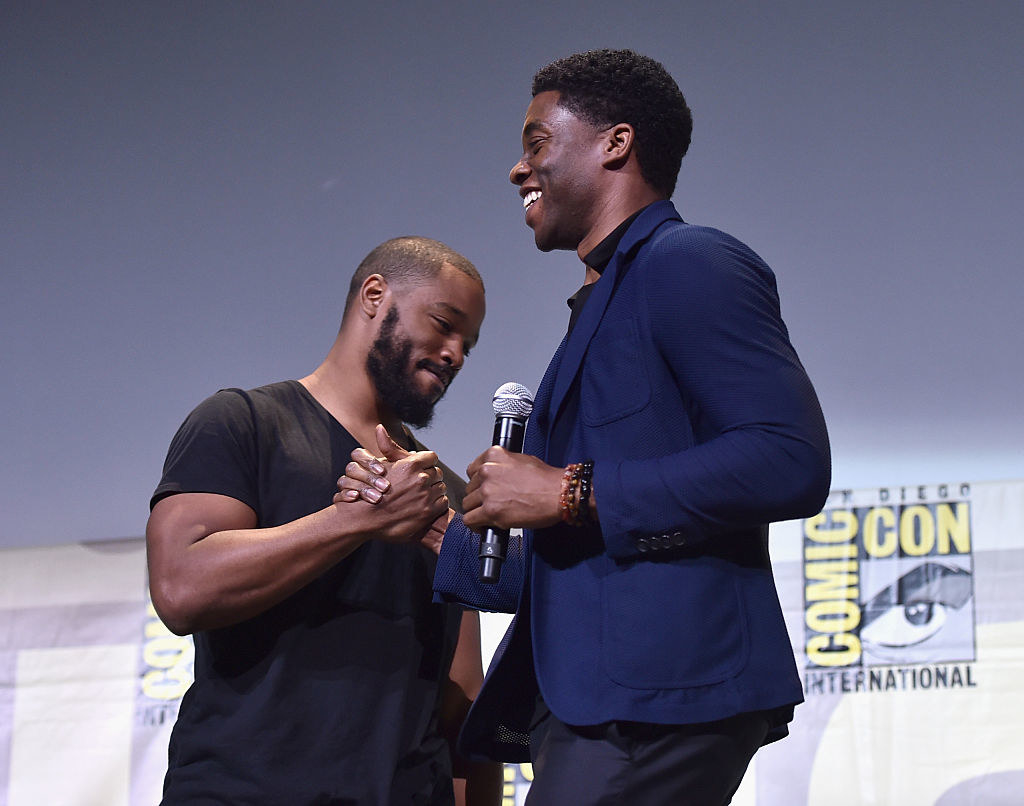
(890, 583)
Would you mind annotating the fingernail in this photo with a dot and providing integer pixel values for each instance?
(377, 467)
(372, 494)
(381, 484)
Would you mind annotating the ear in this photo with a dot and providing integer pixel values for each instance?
(617, 144)
(373, 294)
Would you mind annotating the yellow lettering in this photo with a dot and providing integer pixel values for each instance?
(880, 532)
(838, 580)
(833, 615)
(156, 629)
(166, 651)
(840, 649)
(954, 528)
(832, 551)
(169, 684)
(917, 531)
(843, 529)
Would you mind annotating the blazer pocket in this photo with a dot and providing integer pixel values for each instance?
(667, 625)
(614, 381)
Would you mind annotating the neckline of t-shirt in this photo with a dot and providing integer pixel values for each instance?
(410, 439)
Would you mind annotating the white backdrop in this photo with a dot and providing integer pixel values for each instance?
(912, 676)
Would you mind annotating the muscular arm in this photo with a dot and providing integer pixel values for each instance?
(210, 566)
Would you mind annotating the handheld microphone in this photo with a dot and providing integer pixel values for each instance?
(512, 405)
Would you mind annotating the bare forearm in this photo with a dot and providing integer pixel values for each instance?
(232, 575)
(210, 566)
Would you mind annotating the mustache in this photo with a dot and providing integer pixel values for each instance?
(443, 371)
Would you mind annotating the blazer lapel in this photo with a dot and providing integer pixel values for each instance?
(575, 346)
(537, 427)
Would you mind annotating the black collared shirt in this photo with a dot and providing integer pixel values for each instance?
(596, 259)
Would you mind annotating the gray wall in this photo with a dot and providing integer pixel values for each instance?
(186, 187)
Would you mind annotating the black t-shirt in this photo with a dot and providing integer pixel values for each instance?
(331, 696)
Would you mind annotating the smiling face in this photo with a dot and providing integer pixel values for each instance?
(423, 341)
(558, 174)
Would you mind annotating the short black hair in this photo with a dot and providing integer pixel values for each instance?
(604, 87)
(410, 258)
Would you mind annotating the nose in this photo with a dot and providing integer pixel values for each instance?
(453, 353)
(518, 173)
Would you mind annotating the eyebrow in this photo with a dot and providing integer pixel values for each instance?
(532, 127)
(455, 311)
(450, 308)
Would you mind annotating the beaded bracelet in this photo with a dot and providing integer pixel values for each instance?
(574, 497)
(585, 487)
(569, 499)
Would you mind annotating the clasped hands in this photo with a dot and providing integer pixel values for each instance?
(506, 490)
(413, 483)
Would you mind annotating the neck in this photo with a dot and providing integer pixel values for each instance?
(342, 386)
(616, 209)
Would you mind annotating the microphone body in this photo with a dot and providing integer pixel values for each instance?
(512, 406)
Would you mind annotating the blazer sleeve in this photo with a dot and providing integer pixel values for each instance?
(457, 580)
(761, 451)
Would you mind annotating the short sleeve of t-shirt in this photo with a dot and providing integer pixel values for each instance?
(214, 451)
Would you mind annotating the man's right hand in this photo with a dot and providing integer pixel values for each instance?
(366, 475)
(416, 499)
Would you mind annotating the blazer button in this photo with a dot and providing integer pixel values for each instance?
(678, 539)
(642, 544)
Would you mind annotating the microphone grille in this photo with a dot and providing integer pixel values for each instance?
(512, 399)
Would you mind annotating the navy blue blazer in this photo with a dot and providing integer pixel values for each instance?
(680, 383)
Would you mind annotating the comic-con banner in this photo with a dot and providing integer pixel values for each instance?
(906, 610)
(905, 607)
(889, 585)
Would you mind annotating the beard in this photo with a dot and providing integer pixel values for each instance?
(392, 376)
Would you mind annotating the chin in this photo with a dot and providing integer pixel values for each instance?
(549, 241)
(543, 243)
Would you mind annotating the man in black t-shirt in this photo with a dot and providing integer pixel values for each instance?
(323, 673)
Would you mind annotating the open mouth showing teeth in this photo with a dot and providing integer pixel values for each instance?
(530, 198)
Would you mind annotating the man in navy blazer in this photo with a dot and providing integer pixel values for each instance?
(648, 658)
